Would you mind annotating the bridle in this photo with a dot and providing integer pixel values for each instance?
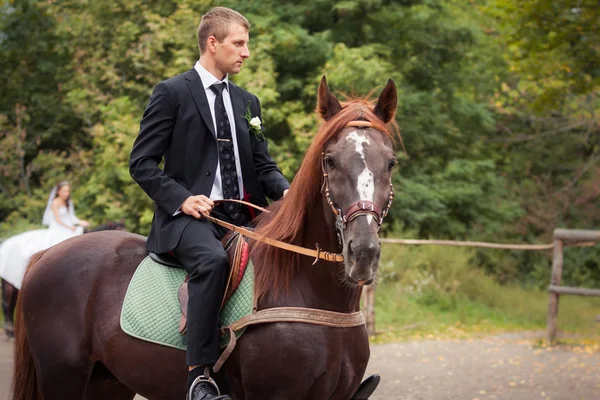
(361, 207)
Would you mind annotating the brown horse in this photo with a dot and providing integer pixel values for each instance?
(10, 292)
(69, 344)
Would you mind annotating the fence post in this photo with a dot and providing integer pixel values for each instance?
(557, 264)
(369, 308)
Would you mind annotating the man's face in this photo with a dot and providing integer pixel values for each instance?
(231, 53)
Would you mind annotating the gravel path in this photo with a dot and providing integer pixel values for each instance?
(499, 368)
(484, 369)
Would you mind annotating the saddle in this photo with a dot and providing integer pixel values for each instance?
(237, 250)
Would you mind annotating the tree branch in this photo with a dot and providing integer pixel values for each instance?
(592, 160)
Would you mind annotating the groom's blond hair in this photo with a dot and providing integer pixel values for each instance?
(216, 23)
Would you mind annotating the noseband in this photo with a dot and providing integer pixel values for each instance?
(361, 207)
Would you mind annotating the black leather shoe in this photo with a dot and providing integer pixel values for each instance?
(205, 389)
(366, 389)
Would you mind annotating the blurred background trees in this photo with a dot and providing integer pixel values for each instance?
(498, 106)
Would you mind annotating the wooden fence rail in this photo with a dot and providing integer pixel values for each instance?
(504, 246)
(562, 238)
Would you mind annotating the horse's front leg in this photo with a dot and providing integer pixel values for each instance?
(296, 361)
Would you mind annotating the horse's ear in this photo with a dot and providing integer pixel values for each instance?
(386, 104)
(327, 104)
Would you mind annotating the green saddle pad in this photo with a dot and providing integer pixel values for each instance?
(151, 309)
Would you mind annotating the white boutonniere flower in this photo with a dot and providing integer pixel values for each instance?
(254, 124)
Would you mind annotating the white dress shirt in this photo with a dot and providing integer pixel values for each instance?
(207, 80)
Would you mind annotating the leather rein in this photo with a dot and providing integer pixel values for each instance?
(317, 254)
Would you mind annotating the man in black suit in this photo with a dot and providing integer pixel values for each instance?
(197, 122)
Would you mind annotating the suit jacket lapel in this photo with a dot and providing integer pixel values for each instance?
(241, 130)
(199, 94)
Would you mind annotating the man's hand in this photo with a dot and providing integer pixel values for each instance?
(196, 206)
(285, 192)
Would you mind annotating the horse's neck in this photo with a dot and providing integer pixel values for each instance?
(322, 285)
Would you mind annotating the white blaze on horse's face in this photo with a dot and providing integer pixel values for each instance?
(357, 164)
(364, 183)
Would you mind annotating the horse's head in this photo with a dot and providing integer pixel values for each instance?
(357, 167)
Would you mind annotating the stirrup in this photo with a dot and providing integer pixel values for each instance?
(202, 378)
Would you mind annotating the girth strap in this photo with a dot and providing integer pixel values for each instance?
(289, 314)
(301, 314)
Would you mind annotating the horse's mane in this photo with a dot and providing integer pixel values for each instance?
(288, 217)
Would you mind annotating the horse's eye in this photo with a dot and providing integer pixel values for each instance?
(330, 162)
(391, 164)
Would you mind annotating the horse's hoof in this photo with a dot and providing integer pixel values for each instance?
(366, 388)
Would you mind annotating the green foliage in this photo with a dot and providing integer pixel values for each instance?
(547, 137)
(554, 47)
(468, 198)
(442, 292)
(497, 107)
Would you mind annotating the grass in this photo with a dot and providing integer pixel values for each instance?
(434, 292)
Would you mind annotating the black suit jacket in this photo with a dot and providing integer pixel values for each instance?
(177, 126)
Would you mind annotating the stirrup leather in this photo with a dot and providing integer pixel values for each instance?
(202, 378)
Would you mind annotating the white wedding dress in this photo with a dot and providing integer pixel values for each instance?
(16, 251)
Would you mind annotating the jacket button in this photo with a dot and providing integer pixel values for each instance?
(208, 172)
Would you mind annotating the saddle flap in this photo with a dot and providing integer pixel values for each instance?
(151, 310)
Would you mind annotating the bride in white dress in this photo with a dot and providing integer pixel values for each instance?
(62, 224)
